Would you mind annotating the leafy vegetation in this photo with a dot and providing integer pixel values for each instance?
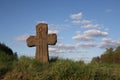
(26, 68)
(110, 56)
(30, 69)
(7, 57)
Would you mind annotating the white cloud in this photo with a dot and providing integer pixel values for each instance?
(85, 24)
(64, 48)
(53, 31)
(76, 16)
(21, 38)
(90, 35)
(81, 22)
(82, 37)
(52, 49)
(76, 22)
(77, 19)
(70, 48)
(95, 33)
(90, 25)
(108, 43)
(86, 45)
(41, 22)
(58, 27)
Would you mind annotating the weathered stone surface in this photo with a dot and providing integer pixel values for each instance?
(41, 41)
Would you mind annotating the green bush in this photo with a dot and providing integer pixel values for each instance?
(111, 56)
(7, 58)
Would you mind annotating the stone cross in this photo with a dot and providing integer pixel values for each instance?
(41, 41)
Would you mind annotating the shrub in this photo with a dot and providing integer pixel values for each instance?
(7, 57)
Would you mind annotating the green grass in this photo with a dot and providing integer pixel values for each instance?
(29, 69)
(6, 63)
(26, 68)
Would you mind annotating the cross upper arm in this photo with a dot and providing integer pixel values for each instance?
(52, 39)
(31, 41)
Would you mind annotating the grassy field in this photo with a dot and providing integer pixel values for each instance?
(26, 68)
(29, 69)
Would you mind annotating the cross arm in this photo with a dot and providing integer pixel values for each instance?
(52, 39)
(31, 41)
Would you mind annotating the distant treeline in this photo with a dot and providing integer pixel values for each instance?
(6, 50)
(110, 56)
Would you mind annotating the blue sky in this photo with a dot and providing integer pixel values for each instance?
(84, 27)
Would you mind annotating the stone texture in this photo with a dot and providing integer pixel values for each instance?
(41, 41)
